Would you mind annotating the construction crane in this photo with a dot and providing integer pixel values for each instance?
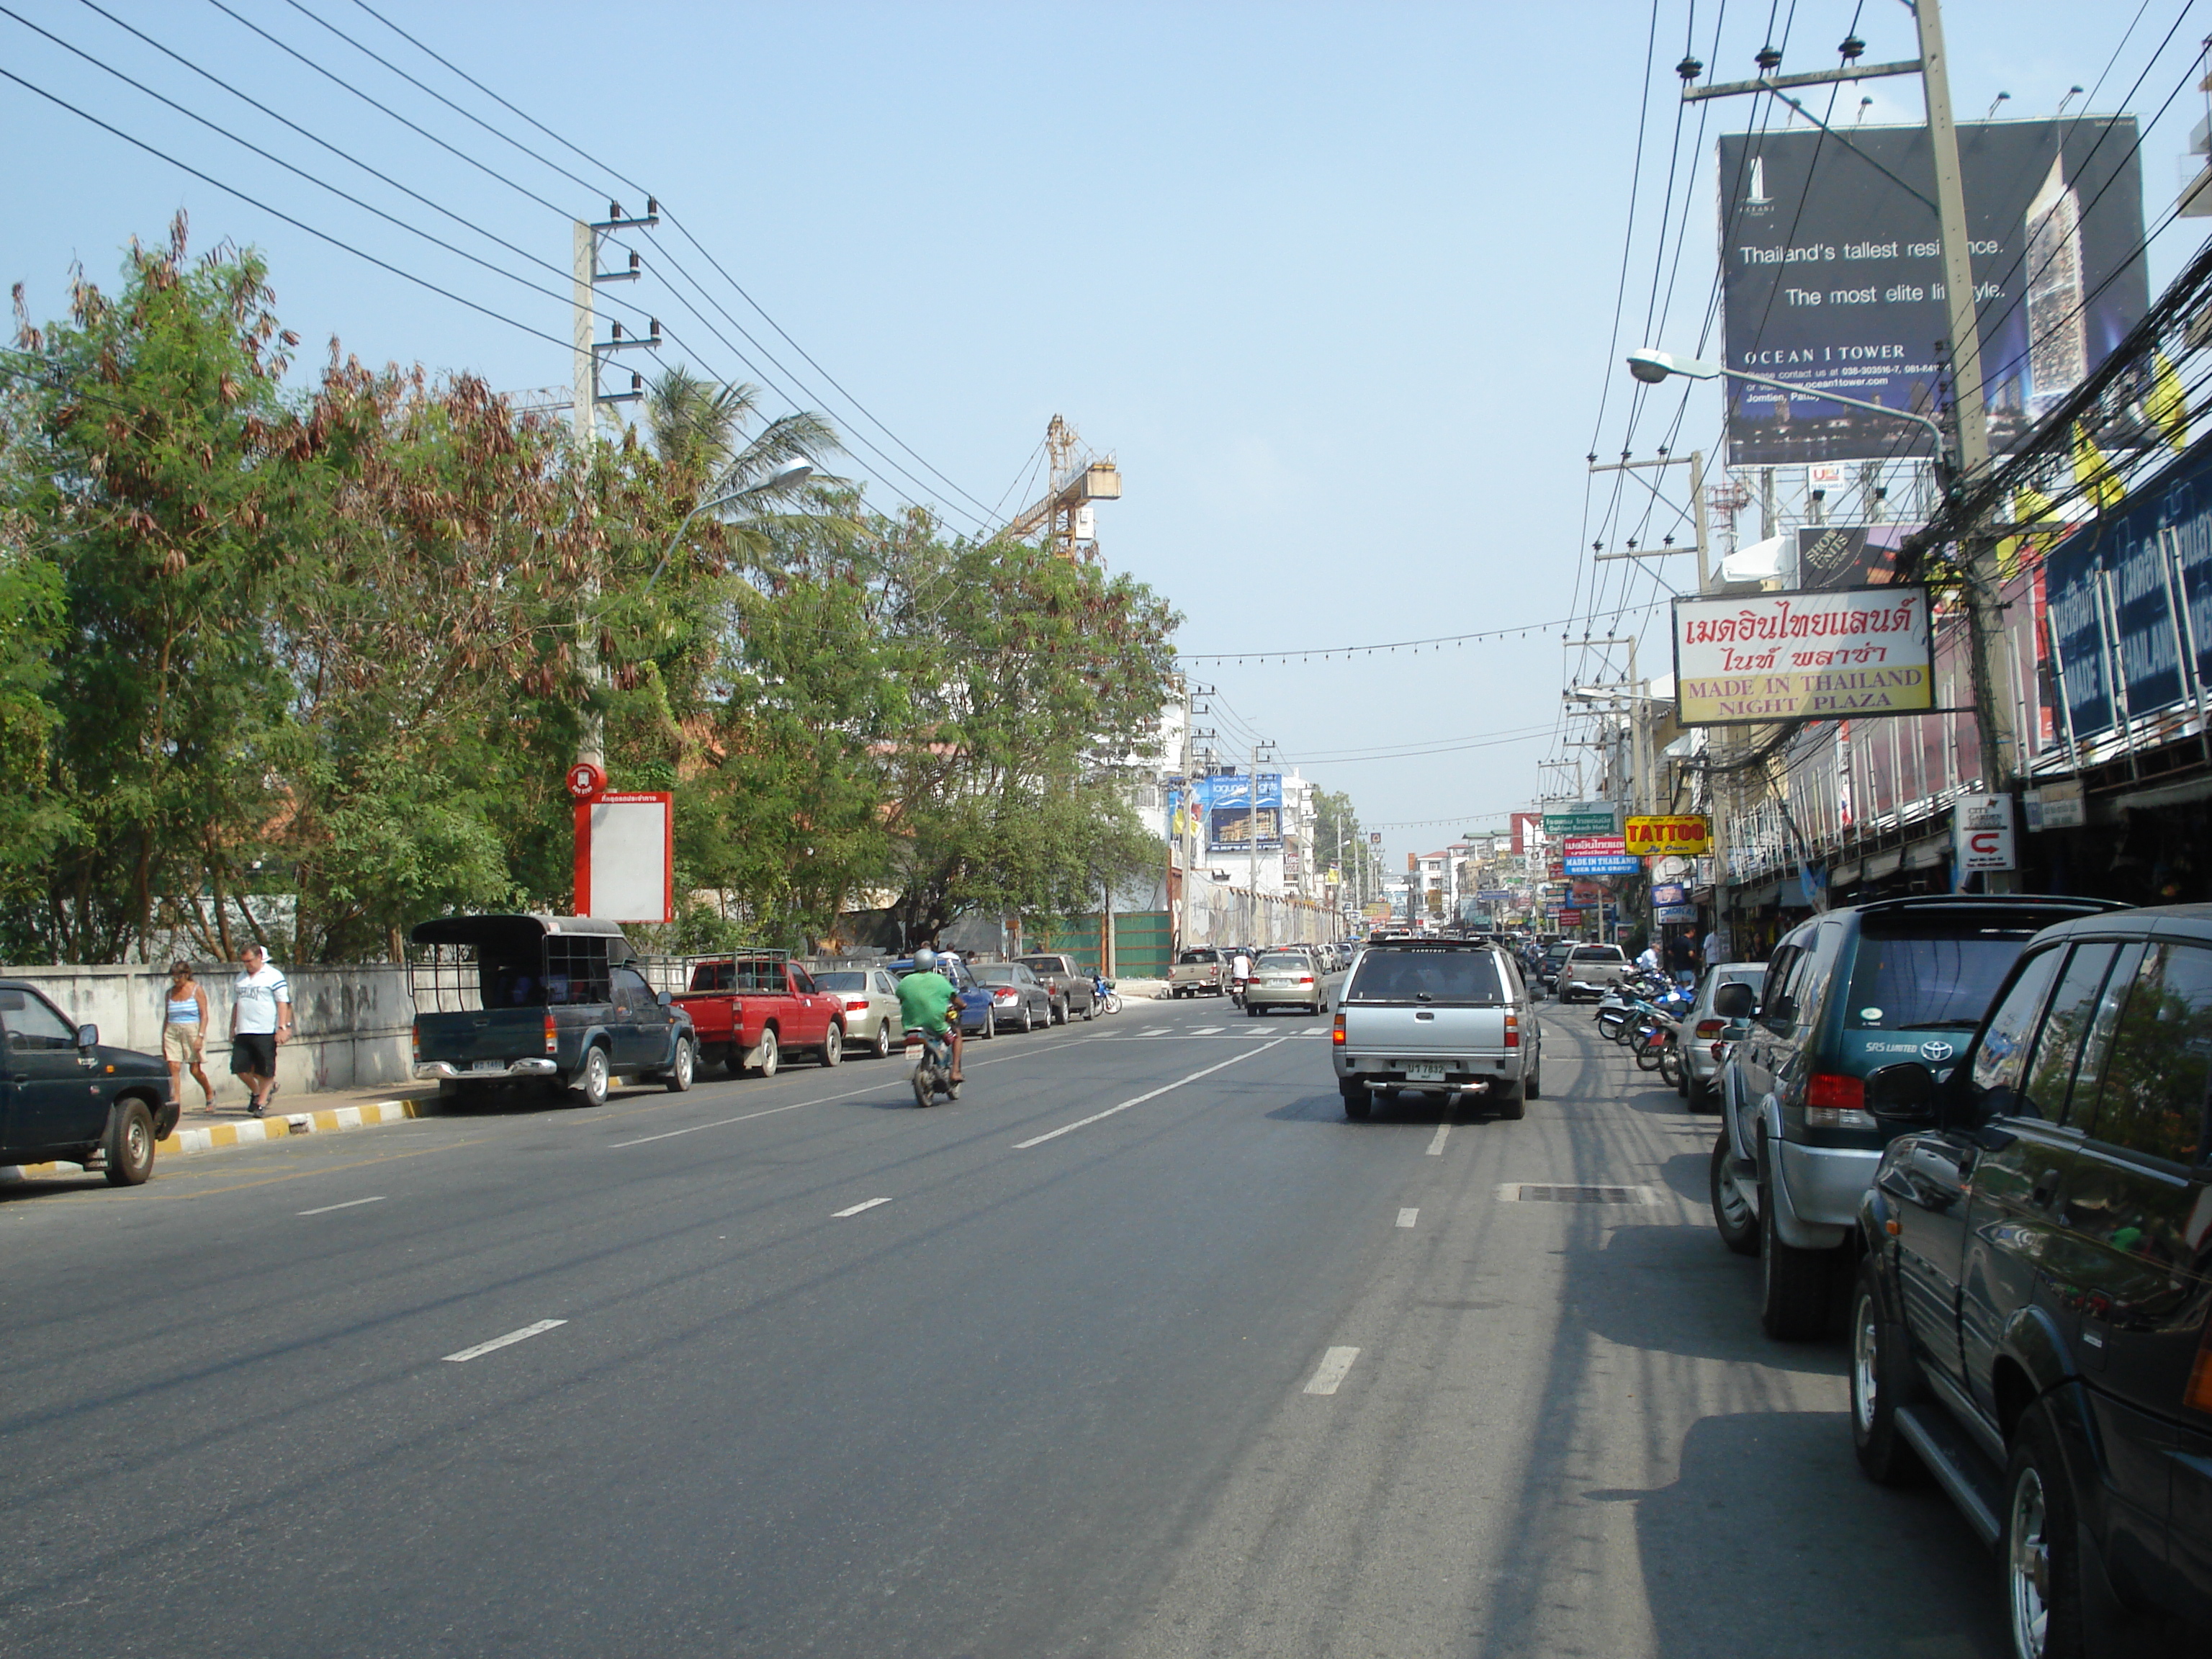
(1077, 478)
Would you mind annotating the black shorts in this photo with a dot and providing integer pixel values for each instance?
(253, 1054)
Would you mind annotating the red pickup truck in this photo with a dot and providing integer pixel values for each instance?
(751, 1009)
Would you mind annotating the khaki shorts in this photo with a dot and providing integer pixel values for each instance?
(183, 1043)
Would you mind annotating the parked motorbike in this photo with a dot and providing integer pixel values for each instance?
(933, 1072)
(1109, 999)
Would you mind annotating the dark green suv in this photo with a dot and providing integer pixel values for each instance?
(67, 1097)
(2032, 1321)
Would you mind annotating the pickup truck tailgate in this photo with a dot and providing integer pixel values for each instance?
(1392, 1031)
(487, 1034)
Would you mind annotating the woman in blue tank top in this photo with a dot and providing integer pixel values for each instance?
(184, 1031)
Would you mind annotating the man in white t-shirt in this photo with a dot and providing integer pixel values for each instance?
(260, 1019)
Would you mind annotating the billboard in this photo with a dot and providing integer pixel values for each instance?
(1848, 555)
(626, 857)
(1857, 654)
(1225, 811)
(1660, 836)
(2130, 599)
(1832, 277)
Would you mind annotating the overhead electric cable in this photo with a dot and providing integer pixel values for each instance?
(297, 224)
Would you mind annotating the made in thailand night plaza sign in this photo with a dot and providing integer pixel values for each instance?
(1847, 654)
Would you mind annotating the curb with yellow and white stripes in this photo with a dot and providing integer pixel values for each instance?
(216, 1137)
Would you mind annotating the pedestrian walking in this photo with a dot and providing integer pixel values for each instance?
(260, 1023)
(184, 1031)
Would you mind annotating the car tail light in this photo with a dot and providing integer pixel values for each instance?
(1513, 1031)
(856, 1005)
(2197, 1396)
(415, 1035)
(1305, 979)
(1709, 1029)
(1336, 1031)
(1004, 996)
(1827, 1089)
(1835, 1102)
(552, 1037)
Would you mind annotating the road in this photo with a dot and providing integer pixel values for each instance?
(1140, 1348)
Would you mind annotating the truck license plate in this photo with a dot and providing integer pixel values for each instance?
(1424, 1073)
(488, 1065)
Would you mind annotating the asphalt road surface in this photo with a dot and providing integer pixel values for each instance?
(1140, 1348)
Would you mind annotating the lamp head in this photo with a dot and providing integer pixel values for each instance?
(1650, 365)
(796, 470)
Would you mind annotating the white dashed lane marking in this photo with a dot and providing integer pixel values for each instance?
(1437, 1145)
(1335, 1365)
(1166, 1088)
(839, 1215)
(1406, 1218)
(350, 1204)
(508, 1340)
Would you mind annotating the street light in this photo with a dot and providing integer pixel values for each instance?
(1651, 366)
(796, 470)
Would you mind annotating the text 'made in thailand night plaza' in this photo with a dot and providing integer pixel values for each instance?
(1832, 277)
(1847, 654)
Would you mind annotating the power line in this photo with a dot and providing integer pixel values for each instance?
(297, 224)
(1286, 655)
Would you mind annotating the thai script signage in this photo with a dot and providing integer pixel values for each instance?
(1677, 838)
(1590, 818)
(1851, 653)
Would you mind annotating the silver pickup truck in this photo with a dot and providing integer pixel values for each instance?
(1438, 1015)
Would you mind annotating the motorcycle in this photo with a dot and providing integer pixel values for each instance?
(933, 1072)
(1109, 999)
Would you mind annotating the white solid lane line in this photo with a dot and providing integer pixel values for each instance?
(1406, 1218)
(1166, 1088)
(839, 1215)
(1436, 1146)
(1334, 1365)
(511, 1338)
(348, 1205)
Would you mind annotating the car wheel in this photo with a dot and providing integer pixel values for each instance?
(765, 1066)
(1250, 1012)
(990, 1026)
(1883, 1378)
(833, 1045)
(1029, 1024)
(882, 1043)
(2041, 1546)
(130, 1145)
(1732, 1217)
(1682, 1079)
(1534, 1088)
(589, 1085)
(677, 1077)
(1359, 1101)
(1793, 1284)
(1512, 1107)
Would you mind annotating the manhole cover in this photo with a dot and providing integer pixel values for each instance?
(1532, 1193)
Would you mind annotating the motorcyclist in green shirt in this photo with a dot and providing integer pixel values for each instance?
(924, 996)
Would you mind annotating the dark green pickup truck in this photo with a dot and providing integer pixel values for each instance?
(67, 1097)
(554, 999)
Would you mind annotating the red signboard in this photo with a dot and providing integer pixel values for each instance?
(1571, 918)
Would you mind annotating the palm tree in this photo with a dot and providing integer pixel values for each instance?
(699, 430)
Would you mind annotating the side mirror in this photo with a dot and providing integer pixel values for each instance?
(1902, 1094)
(1734, 1000)
(665, 999)
(87, 1037)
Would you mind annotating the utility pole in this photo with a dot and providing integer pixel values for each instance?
(1991, 653)
(585, 399)
(1696, 462)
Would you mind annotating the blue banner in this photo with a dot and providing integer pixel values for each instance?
(2132, 568)
(1604, 866)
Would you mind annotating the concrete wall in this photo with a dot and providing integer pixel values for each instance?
(351, 1023)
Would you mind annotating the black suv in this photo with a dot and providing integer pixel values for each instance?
(2030, 1322)
(67, 1097)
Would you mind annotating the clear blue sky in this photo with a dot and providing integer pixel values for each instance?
(1334, 282)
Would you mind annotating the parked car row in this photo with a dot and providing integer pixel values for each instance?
(1988, 1120)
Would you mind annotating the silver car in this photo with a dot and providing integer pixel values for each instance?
(1701, 1028)
(1287, 979)
(870, 998)
(1018, 997)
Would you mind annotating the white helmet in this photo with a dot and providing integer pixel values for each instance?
(925, 959)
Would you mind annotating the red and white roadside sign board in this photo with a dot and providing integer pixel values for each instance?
(1981, 828)
(626, 858)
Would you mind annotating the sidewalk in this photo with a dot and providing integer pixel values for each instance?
(328, 1113)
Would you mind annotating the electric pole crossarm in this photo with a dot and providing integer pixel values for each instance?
(1810, 78)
